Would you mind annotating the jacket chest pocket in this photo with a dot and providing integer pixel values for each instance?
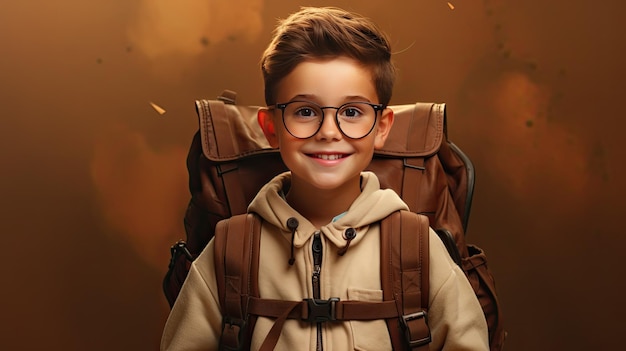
(369, 335)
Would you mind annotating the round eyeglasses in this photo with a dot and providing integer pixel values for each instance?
(355, 120)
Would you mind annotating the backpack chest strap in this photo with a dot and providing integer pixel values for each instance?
(317, 311)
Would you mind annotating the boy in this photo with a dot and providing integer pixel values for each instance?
(328, 79)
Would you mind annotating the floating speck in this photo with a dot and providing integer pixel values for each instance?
(160, 110)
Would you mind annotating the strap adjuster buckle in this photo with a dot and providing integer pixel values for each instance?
(420, 335)
(233, 331)
(319, 311)
(177, 250)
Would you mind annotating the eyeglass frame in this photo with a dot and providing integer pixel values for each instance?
(282, 106)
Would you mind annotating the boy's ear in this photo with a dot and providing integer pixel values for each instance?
(385, 123)
(266, 121)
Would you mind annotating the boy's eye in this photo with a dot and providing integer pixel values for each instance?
(305, 112)
(350, 111)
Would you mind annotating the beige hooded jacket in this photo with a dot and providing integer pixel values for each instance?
(455, 316)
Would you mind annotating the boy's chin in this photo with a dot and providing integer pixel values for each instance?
(334, 182)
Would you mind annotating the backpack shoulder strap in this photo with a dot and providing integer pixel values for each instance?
(405, 279)
(237, 243)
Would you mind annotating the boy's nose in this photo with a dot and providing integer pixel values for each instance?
(329, 129)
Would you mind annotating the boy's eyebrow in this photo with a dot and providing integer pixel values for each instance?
(314, 98)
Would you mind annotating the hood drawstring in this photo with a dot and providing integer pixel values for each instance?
(348, 234)
(292, 224)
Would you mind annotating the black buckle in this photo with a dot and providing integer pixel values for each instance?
(178, 249)
(406, 319)
(321, 310)
(230, 323)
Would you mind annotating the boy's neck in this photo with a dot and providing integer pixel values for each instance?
(320, 206)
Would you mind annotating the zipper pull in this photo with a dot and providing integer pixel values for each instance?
(317, 249)
(317, 264)
(316, 274)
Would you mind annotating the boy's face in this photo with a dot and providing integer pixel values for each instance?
(328, 159)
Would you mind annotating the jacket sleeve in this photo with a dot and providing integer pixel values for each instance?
(457, 321)
(195, 321)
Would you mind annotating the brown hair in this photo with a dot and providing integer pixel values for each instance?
(327, 32)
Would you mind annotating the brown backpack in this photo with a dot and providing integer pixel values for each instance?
(230, 160)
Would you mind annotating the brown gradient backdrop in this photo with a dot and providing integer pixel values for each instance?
(93, 183)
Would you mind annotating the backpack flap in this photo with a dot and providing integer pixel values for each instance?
(418, 130)
(408, 161)
(230, 132)
(235, 160)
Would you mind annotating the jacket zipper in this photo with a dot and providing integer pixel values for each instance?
(317, 269)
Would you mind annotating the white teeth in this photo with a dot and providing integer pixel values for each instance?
(328, 157)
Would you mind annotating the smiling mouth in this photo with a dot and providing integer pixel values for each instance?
(330, 157)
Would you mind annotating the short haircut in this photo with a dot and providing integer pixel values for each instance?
(326, 33)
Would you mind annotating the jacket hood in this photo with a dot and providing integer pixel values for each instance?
(372, 205)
